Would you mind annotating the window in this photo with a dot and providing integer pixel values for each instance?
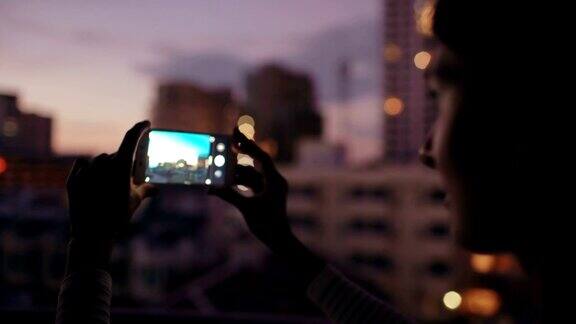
(380, 262)
(439, 268)
(438, 230)
(304, 191)
(304, 221)
(380, 193)
(436, 196)
(363, 225)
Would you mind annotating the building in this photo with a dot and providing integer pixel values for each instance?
(386, 227)
(283, 105)
(23, 134)
(190, 107)
(409, 114)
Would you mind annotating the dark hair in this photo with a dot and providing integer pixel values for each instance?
(473, 30)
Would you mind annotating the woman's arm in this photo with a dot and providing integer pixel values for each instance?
(101, 200)
(265, 214)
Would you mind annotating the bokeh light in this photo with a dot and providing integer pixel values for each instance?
(246, 119)
(392, 52)
(424, 15)
(10, 128)
(422, 59)
(481, 302)
(245, 160)
(393, 106)
(269, 146)
(482, 263)
(452, 300)
(3, 165)
(247, 129)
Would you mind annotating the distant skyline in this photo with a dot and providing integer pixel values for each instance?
(93, 66)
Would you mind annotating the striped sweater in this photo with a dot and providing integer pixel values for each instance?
(85, 298)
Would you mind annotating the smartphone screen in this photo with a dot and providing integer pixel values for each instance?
(174, 157)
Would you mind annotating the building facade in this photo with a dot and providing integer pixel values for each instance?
(407, 44)
(283, 105)
(388, 227)
(23, 134)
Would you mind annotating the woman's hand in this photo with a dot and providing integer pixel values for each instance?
(102, 199)
(265, 211)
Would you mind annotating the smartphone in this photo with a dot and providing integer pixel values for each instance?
(183, 158)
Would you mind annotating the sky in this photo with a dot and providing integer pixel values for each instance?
(93, 65)
(174, 146)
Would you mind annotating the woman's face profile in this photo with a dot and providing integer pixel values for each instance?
(465, 147)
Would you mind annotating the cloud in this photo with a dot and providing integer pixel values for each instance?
(319, 54)
(356, 43)
(208, 69)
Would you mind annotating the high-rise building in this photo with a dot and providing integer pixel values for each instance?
(190, 107)
(407, 28)
(23, 134)
(283, 105)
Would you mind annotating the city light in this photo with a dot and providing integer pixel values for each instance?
(246, 119)
(422, 59)
(10, 128)
(424, 14)
(248, 130)
(481, 302)
(245, 160)
(393, 106)
(392, 52)
(3, 165)
(482, 263)
(208, 181)
(452, 300)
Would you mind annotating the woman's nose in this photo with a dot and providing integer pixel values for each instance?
(425, 153)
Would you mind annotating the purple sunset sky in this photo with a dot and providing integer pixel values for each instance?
(93, 65)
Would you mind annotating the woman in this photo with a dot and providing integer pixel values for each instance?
(475, 145)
